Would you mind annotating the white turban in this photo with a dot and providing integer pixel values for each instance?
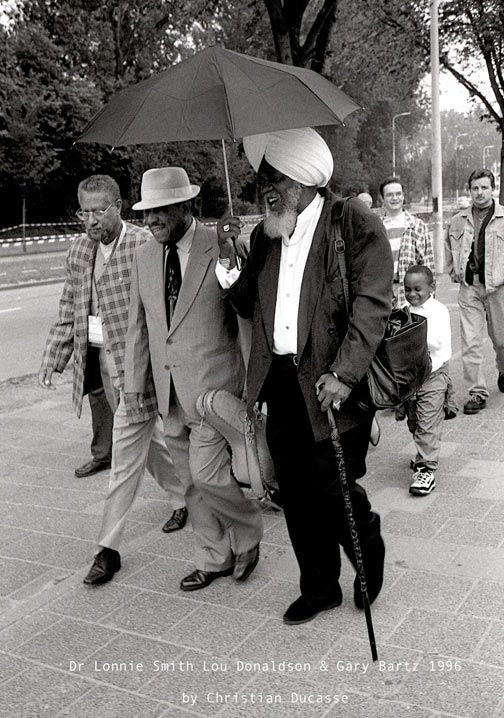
(300, 154)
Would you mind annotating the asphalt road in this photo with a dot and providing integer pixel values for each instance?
(30, 307)
(26, 314)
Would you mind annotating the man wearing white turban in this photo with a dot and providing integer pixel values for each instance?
(308, 353)
(310, 165)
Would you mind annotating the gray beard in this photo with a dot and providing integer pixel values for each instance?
(283, 224)
(280, 225)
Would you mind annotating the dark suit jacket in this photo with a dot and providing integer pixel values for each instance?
(328, 339)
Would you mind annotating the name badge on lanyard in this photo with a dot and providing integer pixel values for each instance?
(95, 331)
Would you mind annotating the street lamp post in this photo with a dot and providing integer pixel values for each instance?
(437, 175)
(394, 118)
(461, 134)
(485, 148)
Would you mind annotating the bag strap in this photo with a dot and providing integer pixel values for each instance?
(339, 247)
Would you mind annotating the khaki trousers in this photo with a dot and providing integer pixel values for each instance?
(135, 447)
(477, 308)
(225, 523)
(425, 412)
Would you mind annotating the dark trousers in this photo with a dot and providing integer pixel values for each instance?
(307, 475)
(102, 419)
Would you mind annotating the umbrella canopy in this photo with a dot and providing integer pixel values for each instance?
(218, 94)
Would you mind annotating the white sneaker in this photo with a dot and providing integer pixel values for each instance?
(424, 482)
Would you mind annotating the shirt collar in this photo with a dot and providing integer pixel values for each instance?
(427, 303)
(107, 248)
(185, 242)
(310, 211)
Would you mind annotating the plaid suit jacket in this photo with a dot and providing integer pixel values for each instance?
(70, 333)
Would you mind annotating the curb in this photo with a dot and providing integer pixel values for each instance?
(23, 285)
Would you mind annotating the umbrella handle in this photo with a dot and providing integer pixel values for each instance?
(230, 198)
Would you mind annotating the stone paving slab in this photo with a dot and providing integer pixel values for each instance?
(442, 606)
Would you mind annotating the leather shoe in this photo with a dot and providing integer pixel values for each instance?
(91, 467)
(176, 521)
(201, 579)
(245, 563)
(303, 609)
(106, 563)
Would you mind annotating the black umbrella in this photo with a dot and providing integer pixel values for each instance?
(218, 94)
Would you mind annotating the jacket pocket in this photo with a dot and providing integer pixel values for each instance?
(497, 268)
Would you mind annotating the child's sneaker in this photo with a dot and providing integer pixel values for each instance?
(424, 482)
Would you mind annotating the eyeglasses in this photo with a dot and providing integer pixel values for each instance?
(84, 214)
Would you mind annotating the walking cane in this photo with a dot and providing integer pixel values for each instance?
(340, 463)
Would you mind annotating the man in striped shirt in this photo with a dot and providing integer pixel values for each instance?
(408, 236)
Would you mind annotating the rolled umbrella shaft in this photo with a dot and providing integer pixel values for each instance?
(352, 526)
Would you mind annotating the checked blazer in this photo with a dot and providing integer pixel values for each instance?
(70, 333)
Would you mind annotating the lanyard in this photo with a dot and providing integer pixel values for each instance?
(106, 263)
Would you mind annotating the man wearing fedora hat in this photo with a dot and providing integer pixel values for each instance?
(92, 325)
(183, 331)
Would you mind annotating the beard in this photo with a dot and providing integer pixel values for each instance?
(283, 222)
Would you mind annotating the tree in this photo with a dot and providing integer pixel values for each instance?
(41, 108)
(52, 82)
(471, 34)
(64, 58)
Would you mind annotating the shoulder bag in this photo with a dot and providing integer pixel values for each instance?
(402, 361)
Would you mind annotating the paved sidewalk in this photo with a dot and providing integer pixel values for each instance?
(140, 647)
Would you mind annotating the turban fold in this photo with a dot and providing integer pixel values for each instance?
(300, 154)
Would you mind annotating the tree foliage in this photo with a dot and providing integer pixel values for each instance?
(61, 59)
(471, 36)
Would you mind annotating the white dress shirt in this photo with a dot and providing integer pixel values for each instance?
(295, 251)
(183, 247)
(438, 330)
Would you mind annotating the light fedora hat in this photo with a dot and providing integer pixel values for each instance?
(165, 185)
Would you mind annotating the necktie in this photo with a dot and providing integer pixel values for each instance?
(173, 280)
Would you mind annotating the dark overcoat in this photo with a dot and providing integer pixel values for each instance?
(329, 339)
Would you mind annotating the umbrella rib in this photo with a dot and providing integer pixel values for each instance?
(227, 103)
(294, 77)
(130, 122)
(246, 96)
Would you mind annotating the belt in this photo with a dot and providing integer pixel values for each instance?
(284, 358)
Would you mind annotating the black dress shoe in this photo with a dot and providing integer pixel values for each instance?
(201, 579)
(176, 521)
(245, 563)
(303, 609)
(91, 467)
(106, 563)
